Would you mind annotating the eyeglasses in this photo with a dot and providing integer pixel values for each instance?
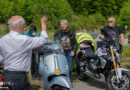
(110, 21)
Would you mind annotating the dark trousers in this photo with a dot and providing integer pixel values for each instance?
(17, 81)
(35, 64)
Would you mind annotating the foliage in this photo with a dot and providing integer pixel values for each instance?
(126, 51)
(105, 7)
(87, 15)
(31, 11)
(125, 15)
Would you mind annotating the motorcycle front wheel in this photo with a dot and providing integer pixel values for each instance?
(122, 84)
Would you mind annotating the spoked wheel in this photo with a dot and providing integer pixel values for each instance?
(122, 84)
(59, 88)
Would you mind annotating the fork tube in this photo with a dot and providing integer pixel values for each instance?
(115, 64)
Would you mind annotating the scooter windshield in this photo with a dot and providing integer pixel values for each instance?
(53, 47)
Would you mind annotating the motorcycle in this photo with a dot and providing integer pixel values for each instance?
(104, 63)
(3, 83)
(54, 68)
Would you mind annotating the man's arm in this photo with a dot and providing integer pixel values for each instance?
(75, 45)
(1, 58)
(122, 39)
(102, 36)
(102, 33)
(32, 43)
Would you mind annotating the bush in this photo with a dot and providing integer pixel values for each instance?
(31, 11)
(93, 22)
(125, 15)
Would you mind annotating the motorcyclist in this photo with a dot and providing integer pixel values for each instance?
(112, 27)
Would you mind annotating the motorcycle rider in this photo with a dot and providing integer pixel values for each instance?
(112, 27)
(68, 41)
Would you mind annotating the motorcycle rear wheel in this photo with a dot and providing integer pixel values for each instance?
(123, 84)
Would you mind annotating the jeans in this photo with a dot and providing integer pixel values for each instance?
(17, 81)
(70, 61)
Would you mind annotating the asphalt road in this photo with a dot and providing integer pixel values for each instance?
(90, 85)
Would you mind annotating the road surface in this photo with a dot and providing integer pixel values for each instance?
(90, 85)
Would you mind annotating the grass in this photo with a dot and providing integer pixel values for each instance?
(126, 57)
(3, 32)
(126, 53)
(125, 36)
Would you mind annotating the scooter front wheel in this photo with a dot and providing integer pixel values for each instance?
(59, 88)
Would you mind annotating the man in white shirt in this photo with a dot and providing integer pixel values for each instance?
(16, 51)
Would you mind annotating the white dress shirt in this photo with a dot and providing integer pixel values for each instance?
(16, 50)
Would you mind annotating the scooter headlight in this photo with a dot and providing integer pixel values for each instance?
(46, 67)
(66, 66)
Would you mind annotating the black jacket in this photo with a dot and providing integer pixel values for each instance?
(60, 33)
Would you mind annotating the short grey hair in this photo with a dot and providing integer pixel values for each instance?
(64, 21)
(16, 23)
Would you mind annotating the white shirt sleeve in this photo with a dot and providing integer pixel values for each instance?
(1, 58)
(35, 42)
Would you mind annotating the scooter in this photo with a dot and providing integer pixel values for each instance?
(54, 68)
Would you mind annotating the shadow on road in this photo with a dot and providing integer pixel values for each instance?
(100, 84)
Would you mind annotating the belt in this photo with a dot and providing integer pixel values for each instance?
(16, 72)
(67, 47)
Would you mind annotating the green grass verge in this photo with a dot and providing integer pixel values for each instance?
(126, 53)
(125, 36)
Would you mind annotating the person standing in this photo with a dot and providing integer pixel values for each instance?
(32, 31)
(16, 50)
(35, 55)
(68, 41)
(113, 28)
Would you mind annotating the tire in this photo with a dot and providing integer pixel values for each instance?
(128, 40)
(124, 83)
(59, 88)
(81, 77)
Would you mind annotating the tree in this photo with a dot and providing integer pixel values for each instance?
(105, 7)
(125, 15)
